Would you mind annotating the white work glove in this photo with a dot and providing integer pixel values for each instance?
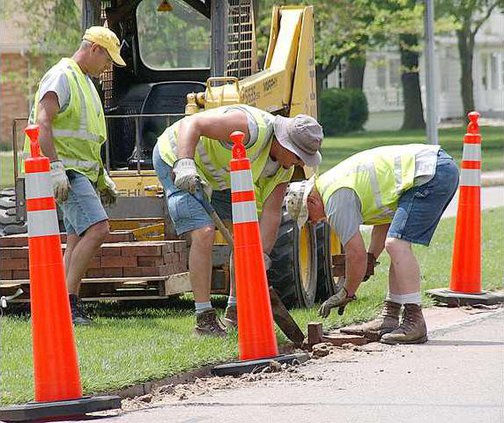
(60, 182)
(107, 188)
(340, 300)
(186, 176)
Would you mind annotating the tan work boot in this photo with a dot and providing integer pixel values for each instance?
(230, 319)
(385, 323)
(412, 330)
(207, 323)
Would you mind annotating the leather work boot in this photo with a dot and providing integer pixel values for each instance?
(412, 330)
(230, 319)
(207, 323)
(78, 315)
(385, 323)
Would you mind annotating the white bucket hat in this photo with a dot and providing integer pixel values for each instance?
(297, 200)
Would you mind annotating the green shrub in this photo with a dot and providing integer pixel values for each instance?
(343, 110)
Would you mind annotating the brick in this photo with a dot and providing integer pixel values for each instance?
(141, 250)
(14, 264)
(20, 274)
(150, 261)
(180, 245)
(13, 252)
(6, 274)
(110, 250)
(94, 273)
(141, 271)
(14, 241)
(120, 261)
(112, 272)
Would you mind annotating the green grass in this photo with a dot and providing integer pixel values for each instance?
(6, 169)
(127, 345)
(335, 149)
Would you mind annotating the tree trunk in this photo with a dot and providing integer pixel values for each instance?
(413, 110)
(466, 52)
(354, 72)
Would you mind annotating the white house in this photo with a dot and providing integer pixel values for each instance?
(382, 79)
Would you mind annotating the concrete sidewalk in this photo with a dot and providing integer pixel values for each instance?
(458, 376)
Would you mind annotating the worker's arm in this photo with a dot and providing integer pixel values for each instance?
(48, 108)
(214, 126)
(271, 217)
(355, 263)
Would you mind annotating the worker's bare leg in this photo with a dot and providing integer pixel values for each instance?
(200, 271)
(404, 288)
(81, 251)
(200, 262)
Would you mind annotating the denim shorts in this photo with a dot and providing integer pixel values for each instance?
(83, 207)
(420, 208)
(186, 213)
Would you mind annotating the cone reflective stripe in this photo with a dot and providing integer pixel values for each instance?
(56, 368)
(256, 335)
(466, 265)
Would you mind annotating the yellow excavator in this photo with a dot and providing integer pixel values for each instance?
(184, 56)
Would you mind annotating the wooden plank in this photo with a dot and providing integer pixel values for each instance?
(175, 284)
(99, 280)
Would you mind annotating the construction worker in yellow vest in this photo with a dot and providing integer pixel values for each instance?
(197, 150)
(400, 190)
(72, 131)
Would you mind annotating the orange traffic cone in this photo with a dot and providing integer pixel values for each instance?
(58, 390)
(256, 335)
(465, 283)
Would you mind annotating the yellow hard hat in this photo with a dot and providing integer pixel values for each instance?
(105, 38)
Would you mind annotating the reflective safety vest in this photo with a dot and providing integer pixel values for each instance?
(378, 176)
(79, 131)
(212, 156)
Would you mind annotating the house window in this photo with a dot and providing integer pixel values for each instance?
(494, 70)
(484, 71)
(394, 72)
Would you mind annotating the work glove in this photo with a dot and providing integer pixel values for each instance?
(60, 181)
(186, 176)
(340, 300)
(107, 189)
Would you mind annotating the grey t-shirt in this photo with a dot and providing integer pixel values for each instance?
(343, 209)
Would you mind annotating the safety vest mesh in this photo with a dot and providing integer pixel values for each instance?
(212, 156)
(79, 131)
(378, 176)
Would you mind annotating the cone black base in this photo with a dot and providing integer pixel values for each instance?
(456, 299)
(249, 366)
(55, 409)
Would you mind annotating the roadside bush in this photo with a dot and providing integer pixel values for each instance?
(343, 110)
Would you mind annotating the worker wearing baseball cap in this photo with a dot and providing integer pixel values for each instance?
(72, 130)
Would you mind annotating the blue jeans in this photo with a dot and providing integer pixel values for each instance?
(83, 207)
(420, 208)
(186, 213)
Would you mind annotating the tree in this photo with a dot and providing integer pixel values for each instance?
(469, 16)
(341, 30)
(401, 22)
